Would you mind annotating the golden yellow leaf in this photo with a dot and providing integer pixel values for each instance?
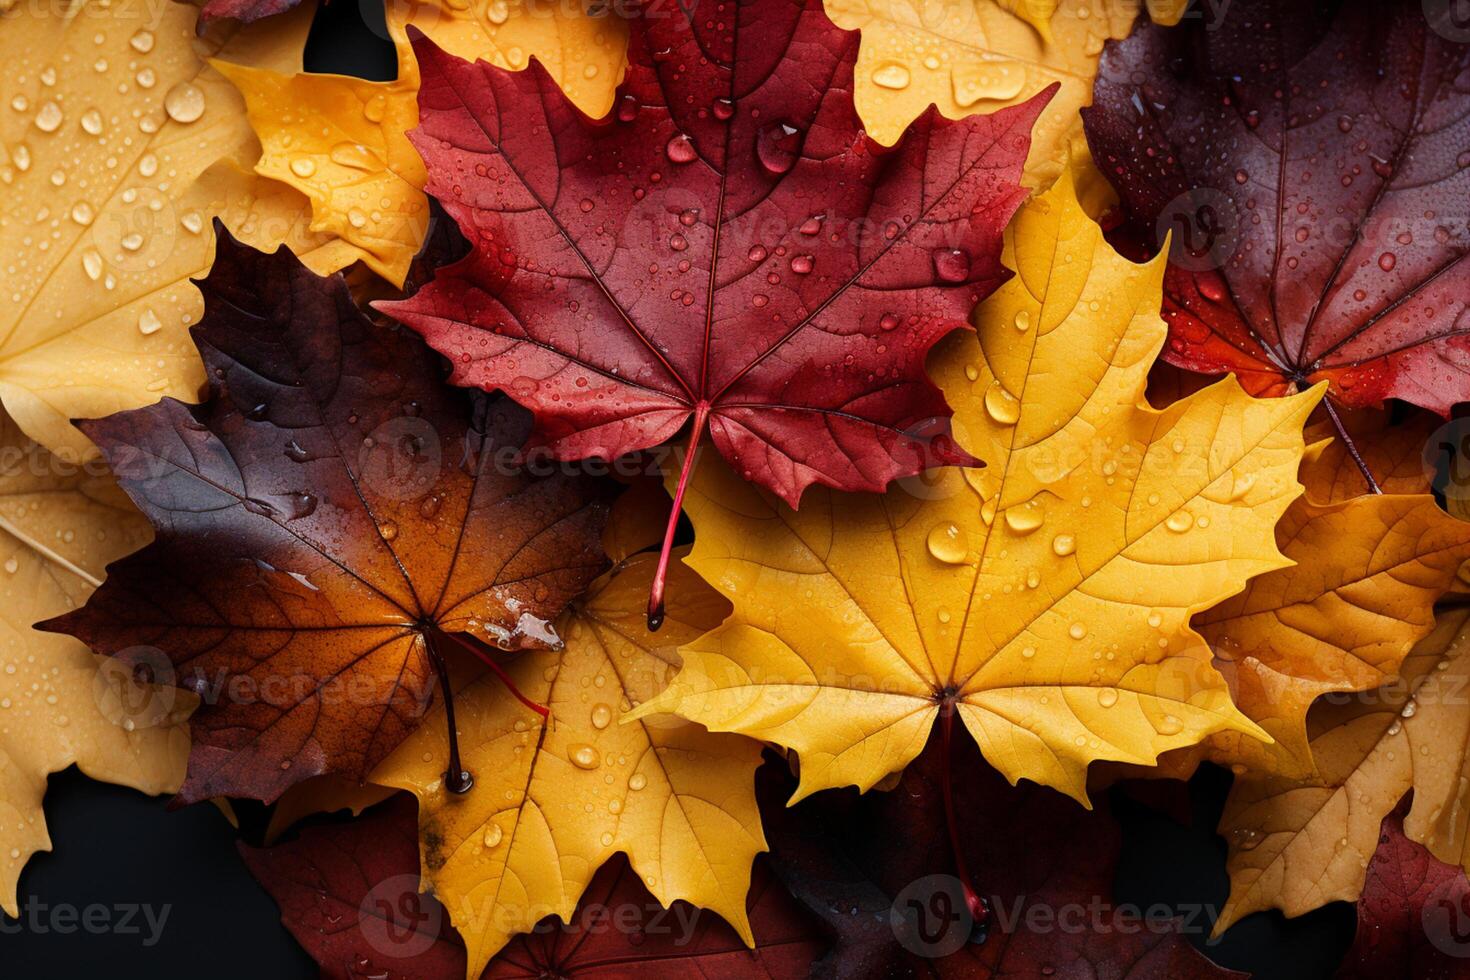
(1048, 595)
(118, 145)
(343, 141)
(1362, 592)
(979, 56)
(552, 802)
(61, 523)
(1366, 573)
(1296, 845)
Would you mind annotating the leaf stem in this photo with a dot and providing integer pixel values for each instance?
(660, 575)
(978, 906)
(457, 779)
(1352, 447)
(486, 657)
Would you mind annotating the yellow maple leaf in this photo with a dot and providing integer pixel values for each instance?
(118, 145)
(969, 56)
(1047, 596)
(60, 524)
(343, 141)
(1368, 569)
(552, 801)
(1298, 845)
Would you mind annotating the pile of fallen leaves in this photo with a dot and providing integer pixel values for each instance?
(680, 467)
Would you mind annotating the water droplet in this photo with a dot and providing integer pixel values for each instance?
(184, 103)
(147, 165)
(48, 119)
(891, 75)
(951, 264)
(583, 756)
(1387, 261)
(723, 109)
(193, 222)
(92, 122)
(132, 242)
(1001, 405)
(1077, 631)
(142, 41)
(92, 264)
(802, 264)
(1169, 725)
(493, 835)
(303, 166)
(998, 80)
(1180, 521)
(777, 145)
(389, 530)
(679, 149)
(638, 781)
(1107, 697)
(1063, 544)
(1025, 518)
(82, 213)
(149, 323)
(1022, 322)
(601, 716)
(947, 543)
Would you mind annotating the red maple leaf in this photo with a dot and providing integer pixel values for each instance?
(1413, 915)
(727, 247)
(1314, 172)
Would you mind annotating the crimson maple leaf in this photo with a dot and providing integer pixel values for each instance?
(727, 247)
(1411, 915)
(1314, 170)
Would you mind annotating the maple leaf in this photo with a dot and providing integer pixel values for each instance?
(369, 868)
(326, 520)
(1046, 597)
(965, 56)
(60, 524)
(876, 870)
(1316, 190)
(1296, 845)
(122, 146)
(560, 796)
(729, 248)
(1408, 915)
(1366, 572)
(343, 142)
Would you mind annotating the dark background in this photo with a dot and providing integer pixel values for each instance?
(114, 846)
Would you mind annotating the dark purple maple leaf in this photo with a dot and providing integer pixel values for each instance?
(1313, 163)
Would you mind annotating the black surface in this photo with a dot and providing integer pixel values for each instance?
(114, 847)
